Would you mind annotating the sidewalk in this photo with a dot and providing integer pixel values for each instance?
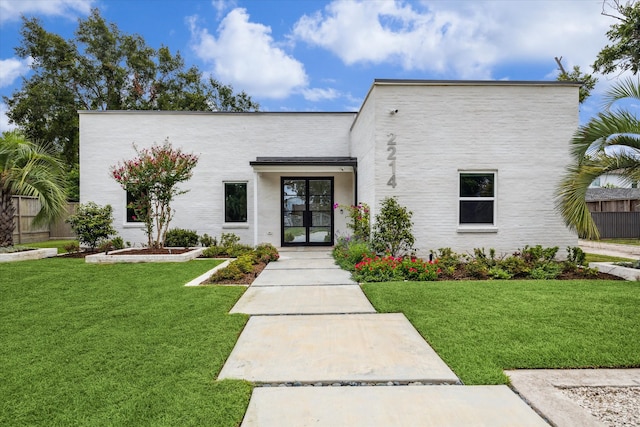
(610, 249)
(320, 355)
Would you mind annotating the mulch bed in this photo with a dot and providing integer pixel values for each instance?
(246, 280)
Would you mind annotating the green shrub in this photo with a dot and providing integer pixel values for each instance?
(207, 241)
(117, 243)
(266, 252)
(231, 272)
(179, 237)
(499, 274)
(546, 271)
(72, 247)
(92, 223)
(392, 229)
(228, 240)
(289, 237)
(388, 268)
(238, 249)
(515, 265)
(213, 252)
(245, 263)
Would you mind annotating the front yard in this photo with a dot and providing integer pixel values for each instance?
(128, 344)
(121, 344)
(480, 328)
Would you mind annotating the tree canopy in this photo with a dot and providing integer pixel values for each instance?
(103, 68)
(624, 51)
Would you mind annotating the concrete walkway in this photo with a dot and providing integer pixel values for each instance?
(320, 355)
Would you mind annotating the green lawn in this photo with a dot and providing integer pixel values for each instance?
(121, 344)
(604, 258)
(482, 327)
(635, 242)
(51, 244)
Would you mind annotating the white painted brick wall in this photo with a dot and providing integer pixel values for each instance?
(522, 132)
(226, 143)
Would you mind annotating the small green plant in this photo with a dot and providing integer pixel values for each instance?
(546, 271)
(207, 241)
(392, 229)
(289, 237)
(117, 243)
(72, 247)
(179, 237)
(576, 256)
(228, 240)
(92, 223)
(499, 274)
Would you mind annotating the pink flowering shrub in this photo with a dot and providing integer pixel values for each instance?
(359, 223)
(389, 268)
(152, 178)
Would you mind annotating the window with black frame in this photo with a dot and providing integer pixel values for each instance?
(477, 198)
(235, 202)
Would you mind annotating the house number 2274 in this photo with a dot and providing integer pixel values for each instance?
(391, 148)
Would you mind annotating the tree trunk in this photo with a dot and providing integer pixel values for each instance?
(7, 211)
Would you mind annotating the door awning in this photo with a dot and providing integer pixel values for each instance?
(304, 164)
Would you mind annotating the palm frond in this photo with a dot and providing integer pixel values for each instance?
(625, 88)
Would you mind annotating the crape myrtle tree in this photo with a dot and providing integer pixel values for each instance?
(28, 169)
(102, 68)
(152, 178)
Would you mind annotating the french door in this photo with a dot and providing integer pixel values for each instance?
(307, 211)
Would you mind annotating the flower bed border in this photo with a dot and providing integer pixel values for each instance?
(29, 255)
(113, 257)
(626, 273)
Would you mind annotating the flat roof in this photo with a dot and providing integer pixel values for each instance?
(476, 82)
(304, 161)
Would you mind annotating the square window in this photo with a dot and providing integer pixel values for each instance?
(477, 198)
(235, 202)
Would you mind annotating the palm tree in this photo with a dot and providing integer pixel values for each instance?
(27, 169)
(609, 142)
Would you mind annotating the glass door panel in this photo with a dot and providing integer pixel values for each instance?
(307, 211)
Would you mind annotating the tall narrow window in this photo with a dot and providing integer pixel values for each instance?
(235, 202)
(477, 198)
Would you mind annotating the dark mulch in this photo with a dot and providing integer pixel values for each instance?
(80, 254)
(246, 280)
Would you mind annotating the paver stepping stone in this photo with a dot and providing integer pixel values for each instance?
(334, 348)
(303, 277)
(303, 300)
(442, 406)
(323, 254)
(304, 263)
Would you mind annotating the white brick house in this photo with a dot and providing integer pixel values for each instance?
(476, 162)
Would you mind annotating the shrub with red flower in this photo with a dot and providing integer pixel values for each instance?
(389, 268)
(152, 178)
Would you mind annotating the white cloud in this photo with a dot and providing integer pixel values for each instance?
(11, 10)
(245, 54)
(457, 39)
(4, 120)
(11, 69)
(318, 94)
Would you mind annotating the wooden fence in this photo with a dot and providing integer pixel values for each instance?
(617, 225)
(24, 232)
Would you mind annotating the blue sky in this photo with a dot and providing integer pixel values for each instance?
(322, 55)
